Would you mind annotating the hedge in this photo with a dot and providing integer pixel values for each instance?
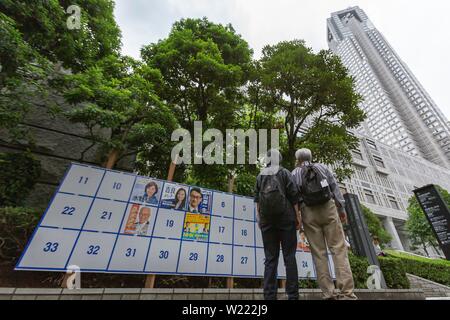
(392, 268)
(437, 270)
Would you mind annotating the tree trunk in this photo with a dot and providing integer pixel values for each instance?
(112, 159)
(425, 249)
(231, 179)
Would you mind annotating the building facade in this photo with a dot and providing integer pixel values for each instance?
(400, 112)
(405, 140)
(383, 180)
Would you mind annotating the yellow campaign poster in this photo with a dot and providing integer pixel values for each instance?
(196, 226)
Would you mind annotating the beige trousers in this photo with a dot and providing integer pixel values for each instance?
(323, 227)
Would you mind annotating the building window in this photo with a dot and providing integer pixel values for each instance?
(378, 161)
(357, 154)
(370, 198)
(393, 202)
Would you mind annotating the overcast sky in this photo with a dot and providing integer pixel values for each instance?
(417, 29)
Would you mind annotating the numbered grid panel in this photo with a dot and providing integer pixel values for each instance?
(108, 221)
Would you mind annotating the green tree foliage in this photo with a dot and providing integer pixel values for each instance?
(314, 91)
(35, 41)
(204, 66)
(417, 225)
(23, 76)
(43, 25)
(118, 94)
(375, 226)
(18, 174)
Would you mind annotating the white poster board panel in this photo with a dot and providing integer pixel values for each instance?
(129, 253)
(169, 224)
(260, 259)
(67, 211)
(163, 256)
(105, 216)
(82, 180)
(244, 233)
(281, 266)
(93, 250)
(220, 259)
(223, 204)
(221, 230)
(49, 249)
(244, 261)
(116, 186)
(244, 208)
(193, 257)
(305, 265)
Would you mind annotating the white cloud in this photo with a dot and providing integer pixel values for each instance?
(415, 28)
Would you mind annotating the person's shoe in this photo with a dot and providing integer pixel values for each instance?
(330, 298)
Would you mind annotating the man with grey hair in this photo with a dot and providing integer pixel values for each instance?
(322, 207)
(276, 197)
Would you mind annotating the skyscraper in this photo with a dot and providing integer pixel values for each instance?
(400, 113)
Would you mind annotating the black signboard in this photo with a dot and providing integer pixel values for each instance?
(358, 232)
(437, 213)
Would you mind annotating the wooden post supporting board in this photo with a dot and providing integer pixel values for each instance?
(230, 280)
(151, 278)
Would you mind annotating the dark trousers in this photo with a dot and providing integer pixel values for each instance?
(273, 235)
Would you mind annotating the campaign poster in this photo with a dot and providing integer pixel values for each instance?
(174, 196)
(138, 220)
(303, 244)
(146, 191)
(196, 226)
(200, 200)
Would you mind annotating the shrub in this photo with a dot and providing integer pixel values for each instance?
(394, 273)
(16, 227)
(375, 226)
(392, 269)
(18, 174)
(436, 270)
(359, 267)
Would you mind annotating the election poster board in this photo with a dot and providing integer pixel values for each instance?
(104, 220)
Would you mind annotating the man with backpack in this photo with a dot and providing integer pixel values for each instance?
(323, 210)
(276, 197)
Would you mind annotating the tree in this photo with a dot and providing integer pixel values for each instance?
(417, 225)
(204, 67)
(118, 95)
(24, 76)
(375, 226)
(313, 92)
(35, 41)
(43, 25)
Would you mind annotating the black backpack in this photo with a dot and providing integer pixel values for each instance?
(312, 191)
(272, 198)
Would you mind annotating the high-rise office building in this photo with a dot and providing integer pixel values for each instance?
(400, 113)
(405, 140)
